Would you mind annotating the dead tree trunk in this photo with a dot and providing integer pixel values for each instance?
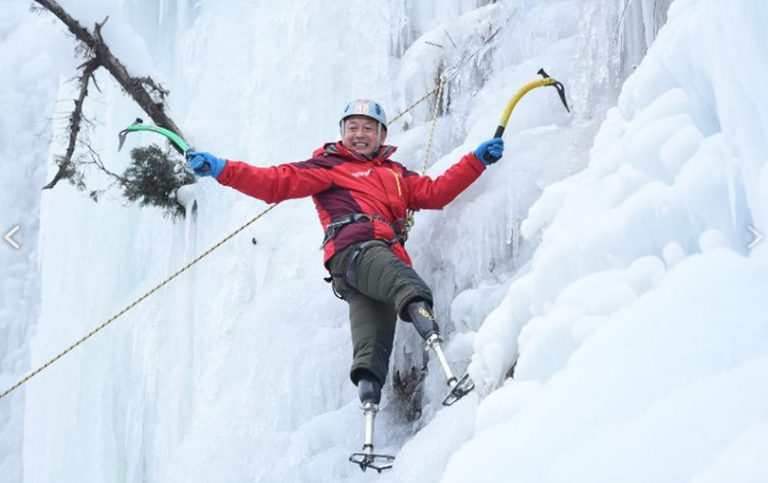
(148, 94)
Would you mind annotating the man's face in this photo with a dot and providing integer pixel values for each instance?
(361, 134)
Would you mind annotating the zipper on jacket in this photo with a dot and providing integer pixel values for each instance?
(397, 180)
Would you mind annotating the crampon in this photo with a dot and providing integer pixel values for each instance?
(459, 389)
(367, 459)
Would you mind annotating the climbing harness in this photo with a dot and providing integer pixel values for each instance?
(184, 148)
(349, 275)
(336, 225)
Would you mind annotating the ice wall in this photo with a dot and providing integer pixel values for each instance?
(29, 56)
(237, 371)
(638, 331)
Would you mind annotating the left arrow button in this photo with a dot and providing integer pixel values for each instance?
(9, 237)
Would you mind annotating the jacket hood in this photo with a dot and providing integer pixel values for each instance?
(338, 149)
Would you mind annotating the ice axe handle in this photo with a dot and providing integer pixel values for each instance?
(488, 157)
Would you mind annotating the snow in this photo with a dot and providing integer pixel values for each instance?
(664, 179)
(654, 394)
(603, 262)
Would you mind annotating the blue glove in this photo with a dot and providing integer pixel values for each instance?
(205, 164)
(490, 151)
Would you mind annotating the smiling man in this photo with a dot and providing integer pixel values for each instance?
(362, 198)
(362, 134)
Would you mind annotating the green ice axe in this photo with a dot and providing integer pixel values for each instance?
(177, 141)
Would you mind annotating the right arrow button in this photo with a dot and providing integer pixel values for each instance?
(758, 237)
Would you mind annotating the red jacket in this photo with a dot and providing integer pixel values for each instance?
(342, 182)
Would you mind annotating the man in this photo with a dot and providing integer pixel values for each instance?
(362, 197)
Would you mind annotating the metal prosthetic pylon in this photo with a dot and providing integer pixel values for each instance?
(424, 322)
(458, 387)
(370, 394)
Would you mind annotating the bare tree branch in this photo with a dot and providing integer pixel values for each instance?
(155, 87)
(95, 83)
(75, 120)
(96, 161)
(73, 25)
(132, 85)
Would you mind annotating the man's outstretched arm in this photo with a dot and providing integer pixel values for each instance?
(426, 193)
(271, 184)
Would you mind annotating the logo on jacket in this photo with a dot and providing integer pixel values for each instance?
(360, 174)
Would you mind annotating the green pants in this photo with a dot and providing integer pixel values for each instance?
(378, 287)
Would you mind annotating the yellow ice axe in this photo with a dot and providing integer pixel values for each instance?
(545, 81)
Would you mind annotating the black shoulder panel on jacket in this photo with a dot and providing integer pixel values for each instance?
(325, 162)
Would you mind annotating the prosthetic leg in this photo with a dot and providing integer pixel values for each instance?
(369, 390)
(424, 322)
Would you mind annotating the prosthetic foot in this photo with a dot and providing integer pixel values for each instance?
(369, 391)
(424, 322)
